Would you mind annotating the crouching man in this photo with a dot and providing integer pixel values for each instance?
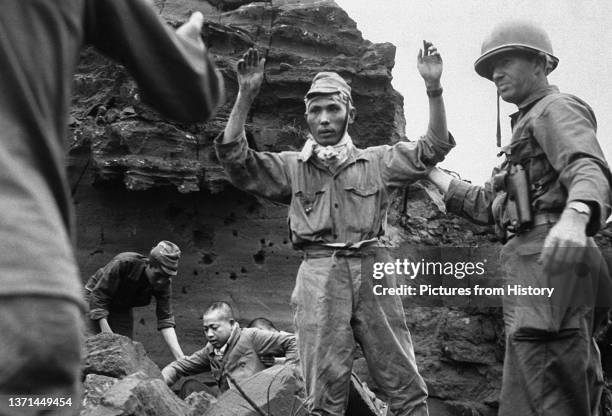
(232, 354)
(130, 280)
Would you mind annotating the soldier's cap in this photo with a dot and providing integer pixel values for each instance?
(167, 254)
(325, 83)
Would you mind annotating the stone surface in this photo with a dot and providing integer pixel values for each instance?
(138, 395)
(94, 388)
(276, 390)
(199, 402)
(117, 356)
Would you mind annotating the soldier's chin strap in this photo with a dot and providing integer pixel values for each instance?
(498, 134)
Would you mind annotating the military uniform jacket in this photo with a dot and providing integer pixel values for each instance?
(346, 206)
(554, 138)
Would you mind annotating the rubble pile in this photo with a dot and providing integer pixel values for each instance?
(137, 390)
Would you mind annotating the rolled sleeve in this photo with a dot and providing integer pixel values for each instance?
(457, 192)
(409, 161)
(163, 310)
(471, 201)
(439, 147)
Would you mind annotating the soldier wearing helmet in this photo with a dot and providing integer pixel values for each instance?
(130, 280)
(550, 195)
(338, 196)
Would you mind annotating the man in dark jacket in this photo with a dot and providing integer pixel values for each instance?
(130, 280)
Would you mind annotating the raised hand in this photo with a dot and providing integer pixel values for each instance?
(191, 31)
(250, 71)
(429, 64)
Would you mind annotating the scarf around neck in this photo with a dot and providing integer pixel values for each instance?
(334, 155)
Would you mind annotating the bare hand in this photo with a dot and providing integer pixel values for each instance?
(250, 70)
(565, 243)
(429, 64)
(192, 29)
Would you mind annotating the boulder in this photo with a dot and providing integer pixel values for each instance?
(276, 390)
(117, 356)
(94, 388)
(138, 395)
(199, 402)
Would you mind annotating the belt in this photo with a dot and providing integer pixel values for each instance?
(320, 250)
(542, 218)
(545, 218)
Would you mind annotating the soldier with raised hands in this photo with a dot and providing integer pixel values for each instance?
(338, 196)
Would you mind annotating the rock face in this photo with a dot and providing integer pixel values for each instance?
(137, 179)
(127, 142)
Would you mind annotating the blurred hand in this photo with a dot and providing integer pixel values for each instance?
(429, 64)
(191, 31)
(250, 70)
(565, 243)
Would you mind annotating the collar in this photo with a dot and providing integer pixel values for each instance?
(230, 341)
(537, 95)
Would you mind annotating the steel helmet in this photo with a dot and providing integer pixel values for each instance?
(511, 36)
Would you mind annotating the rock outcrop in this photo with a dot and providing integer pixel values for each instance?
(127, 142)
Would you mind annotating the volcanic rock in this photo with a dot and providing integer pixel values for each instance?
(114, 355)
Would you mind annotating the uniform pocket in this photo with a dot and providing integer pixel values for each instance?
(309, 213)
(362, 205)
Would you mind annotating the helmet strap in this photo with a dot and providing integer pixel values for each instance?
(498, 134)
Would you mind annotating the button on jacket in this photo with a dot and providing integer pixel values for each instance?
(241, 357)
(122, 284)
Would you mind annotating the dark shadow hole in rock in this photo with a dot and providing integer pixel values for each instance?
(208, 258)
(233, 276)
(259, 257)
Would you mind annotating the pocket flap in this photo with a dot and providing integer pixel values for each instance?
(362, 191)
